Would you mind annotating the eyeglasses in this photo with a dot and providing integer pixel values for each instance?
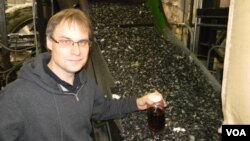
(69, 43)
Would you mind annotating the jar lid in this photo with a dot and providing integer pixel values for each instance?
(155, 98)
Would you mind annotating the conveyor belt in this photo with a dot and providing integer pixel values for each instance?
(141, 60)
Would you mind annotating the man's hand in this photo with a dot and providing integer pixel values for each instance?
(145, 101)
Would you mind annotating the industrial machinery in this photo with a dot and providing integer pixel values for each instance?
(18, 39)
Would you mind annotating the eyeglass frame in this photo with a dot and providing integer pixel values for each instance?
(87, 42)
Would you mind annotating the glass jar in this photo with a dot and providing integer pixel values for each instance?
(156, 114)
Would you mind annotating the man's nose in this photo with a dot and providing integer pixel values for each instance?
(75, 48)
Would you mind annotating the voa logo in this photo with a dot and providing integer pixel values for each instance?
(236, 132)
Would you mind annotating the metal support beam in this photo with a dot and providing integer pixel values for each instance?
(3, 37)
(41, 23)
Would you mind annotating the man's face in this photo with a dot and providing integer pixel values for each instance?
(68, 59)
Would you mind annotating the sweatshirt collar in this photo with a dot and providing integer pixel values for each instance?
(67, 87)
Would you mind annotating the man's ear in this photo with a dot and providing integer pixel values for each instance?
(48, 43)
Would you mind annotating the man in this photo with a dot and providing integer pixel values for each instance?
(53, 98)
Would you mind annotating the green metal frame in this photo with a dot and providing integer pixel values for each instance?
(160, 20)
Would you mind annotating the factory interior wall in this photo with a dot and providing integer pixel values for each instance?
(236, 79)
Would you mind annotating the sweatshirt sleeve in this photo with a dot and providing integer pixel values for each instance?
(105, 109)
(10, 121)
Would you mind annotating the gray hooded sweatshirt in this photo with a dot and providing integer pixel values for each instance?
(35, 108)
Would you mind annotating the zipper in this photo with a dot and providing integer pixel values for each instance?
(75, 94)
(77, 98)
